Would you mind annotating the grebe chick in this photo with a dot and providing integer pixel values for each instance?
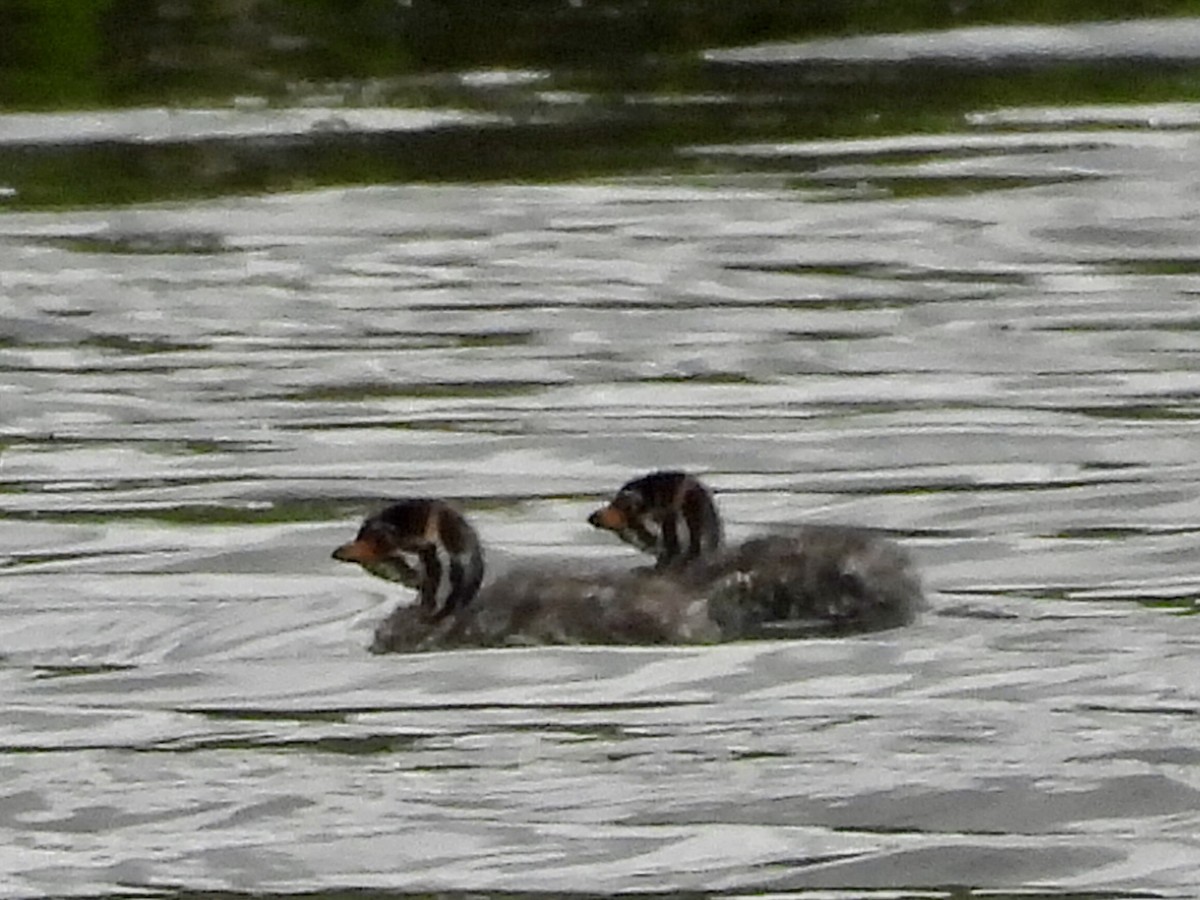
(427, 545)
(850, 579)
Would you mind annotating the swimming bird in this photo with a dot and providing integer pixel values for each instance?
(836, 578)
(427, 545)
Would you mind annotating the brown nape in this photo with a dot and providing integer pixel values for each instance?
(702, 522)
(454, 533)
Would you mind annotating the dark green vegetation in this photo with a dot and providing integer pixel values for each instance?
(620, 87)
(61, 53)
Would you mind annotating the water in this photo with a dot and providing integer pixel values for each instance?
(983, 342)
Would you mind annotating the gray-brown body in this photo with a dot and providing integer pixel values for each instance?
(812, 581)
(819, 578)
(526, 608)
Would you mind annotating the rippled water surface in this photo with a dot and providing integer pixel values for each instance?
(983, 342)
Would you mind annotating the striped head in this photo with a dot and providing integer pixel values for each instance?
(668, 514)
(425, 545)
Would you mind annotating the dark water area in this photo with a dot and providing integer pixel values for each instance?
(207, 99)
(61, 53)
(936, 275)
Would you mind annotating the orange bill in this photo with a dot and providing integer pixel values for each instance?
(359, 551)
(609, 518)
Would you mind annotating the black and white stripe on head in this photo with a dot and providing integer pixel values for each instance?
(670, 514)
(424, 544)
(647, 534)
(455, 560)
